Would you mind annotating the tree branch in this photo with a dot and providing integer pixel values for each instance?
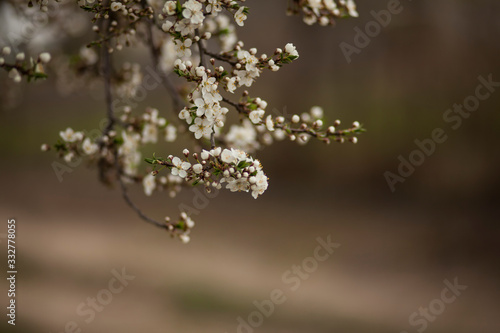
(238, 107)
(201, 49)
(106, 72)
(131, 204)
(220, 57)
(177, 101)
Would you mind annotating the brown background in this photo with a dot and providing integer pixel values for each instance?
(396, 248)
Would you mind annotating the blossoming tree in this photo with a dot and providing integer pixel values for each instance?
(177, 35)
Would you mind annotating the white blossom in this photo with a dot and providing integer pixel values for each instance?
(193, 12)
(69, 156)
(231, 84)
(71, 136)
(129, 152)
(184, 114)
(169, 7)
(317, 112)
(201, 127)
(14, 75)
(180, 167)
(239, 154)
(291, 49)
(256, 116)
(189, 222)
(150, 133)
(167, 25)
(44, 57)
(115, 6)
(183, 47)
(260, 184)
(351, 7)
(149, 184)
(243, 137)
(227, 156)
(240, 17)
(88, 147)
(205, 154)
(214, 7)
(197, 168)
(270, 123)
(185, 27)
(216, 151)
(170, 133)
(88, 55)
(184, 238)
(203, 106)
(238, 185)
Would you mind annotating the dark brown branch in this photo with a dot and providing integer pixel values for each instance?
(212, 140)
(131, 204)
(221, 57)
(106, 72)
(238, 107)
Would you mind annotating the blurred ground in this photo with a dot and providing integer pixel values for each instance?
(396, 248)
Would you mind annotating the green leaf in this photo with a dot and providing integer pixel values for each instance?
(179, 10)
(224, 32)
(179, 72)
(243, 164)
(118, 140)
(150, 160)
(180, 225)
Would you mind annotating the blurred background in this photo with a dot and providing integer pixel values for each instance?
(396, 248)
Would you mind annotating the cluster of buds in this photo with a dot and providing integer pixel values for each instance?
(310, 125)
(323, 12)
(298, 128)
(181, 228)
(21, 66)
(230, 167)
(123, 16)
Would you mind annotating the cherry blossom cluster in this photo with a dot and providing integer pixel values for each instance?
(185, 18)
(22, 66)
(137, 131)
(73, 144)
(123, 16)
(177, 34)
(215, 168)
(206, 112)
(323, 12)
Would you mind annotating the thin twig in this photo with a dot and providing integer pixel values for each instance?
(221, 57)
(106, 72)
(212, 139)
(201, 49)
(129, 201)
(238, 107)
